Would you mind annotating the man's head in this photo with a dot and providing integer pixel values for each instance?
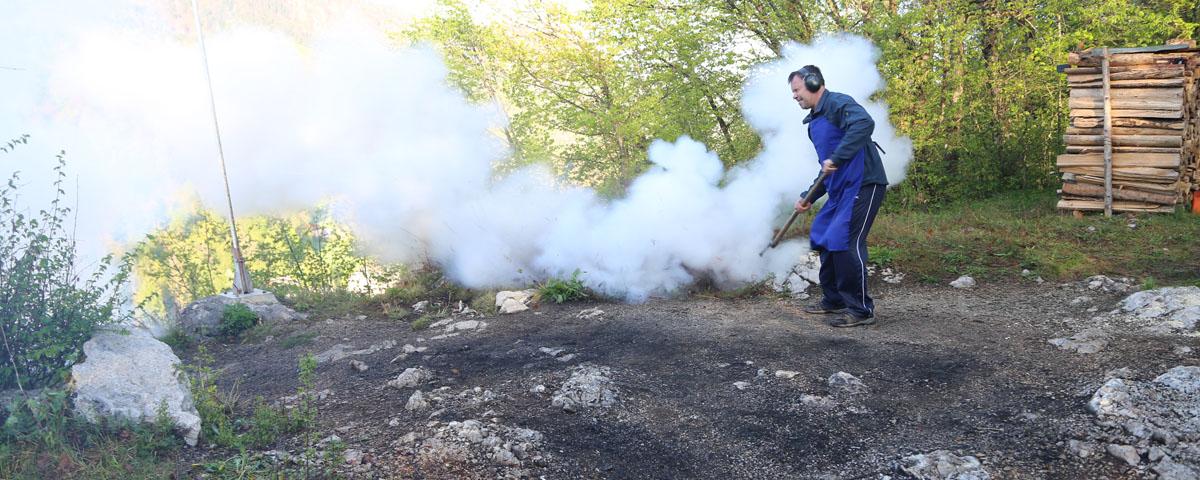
(807, 86)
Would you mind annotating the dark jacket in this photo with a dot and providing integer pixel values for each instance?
(847, 115)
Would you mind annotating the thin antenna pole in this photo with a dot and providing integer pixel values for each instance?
(241, 277)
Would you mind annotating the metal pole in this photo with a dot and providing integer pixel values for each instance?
(241, 277)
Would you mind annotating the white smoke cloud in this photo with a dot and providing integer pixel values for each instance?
(409, 160)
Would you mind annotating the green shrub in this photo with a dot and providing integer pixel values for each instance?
(561, 291)
(47, 311)
(237, 318)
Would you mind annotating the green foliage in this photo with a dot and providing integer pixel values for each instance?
(1149, 283)
(973, 84)
(236, 318)
(40, 438)
(189, 257)
(266, 425)
(485, 302)
(47, 310)
(881, 255)
(560, 290)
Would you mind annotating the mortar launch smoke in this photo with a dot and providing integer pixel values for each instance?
(409, 161)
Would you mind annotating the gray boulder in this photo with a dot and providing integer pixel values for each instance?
(203, 317)
(131, 376)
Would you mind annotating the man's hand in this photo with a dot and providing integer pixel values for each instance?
(802, 206)
(828, 166)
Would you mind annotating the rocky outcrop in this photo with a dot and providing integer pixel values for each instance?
(203, 317)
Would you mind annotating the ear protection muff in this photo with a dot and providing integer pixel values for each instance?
(812, 80)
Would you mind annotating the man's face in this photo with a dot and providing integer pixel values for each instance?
(805, 98)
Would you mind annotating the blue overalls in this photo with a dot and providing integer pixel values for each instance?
(840, 228)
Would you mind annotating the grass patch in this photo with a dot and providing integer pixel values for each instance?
(560, 290)
(422, 322)
(485, 302)
(299, 339)
(998, 237)
(41, 438)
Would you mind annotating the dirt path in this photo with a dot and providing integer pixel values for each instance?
(968, 371)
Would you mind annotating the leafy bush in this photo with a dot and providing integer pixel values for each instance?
(561, 291)
(47, 311)
(237, 318)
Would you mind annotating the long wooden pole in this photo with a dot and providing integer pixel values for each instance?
(1108, 197)
(241, 276)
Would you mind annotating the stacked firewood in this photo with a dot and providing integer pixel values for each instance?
(1153, 129)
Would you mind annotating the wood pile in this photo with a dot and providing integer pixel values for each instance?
(1138, 130)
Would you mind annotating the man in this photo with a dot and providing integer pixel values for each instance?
(840, 129)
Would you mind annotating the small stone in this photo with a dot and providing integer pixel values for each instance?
(741, 385)
(1182, 350)
(722, 365)
(786, 374)
(353, 457)
(963, 282)
(1155, 454)
(762, 373)
(1086, 342)
(416, 402)
(818, 402)
(943, 465)
(590, 313)
(553, 352)
(1080, 300)
(1080, 449)
(846, 382)
(566, 358)
(359, 366)
(410, 377)
(1124, 452)
(420, 306)
(466, 325)
(394, 422)
(538, 389)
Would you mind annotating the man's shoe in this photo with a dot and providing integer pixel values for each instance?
(821, 308)
(851, 320)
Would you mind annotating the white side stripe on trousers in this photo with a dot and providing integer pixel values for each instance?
(858, 248)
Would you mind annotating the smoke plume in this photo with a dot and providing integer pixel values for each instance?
(405, 157)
